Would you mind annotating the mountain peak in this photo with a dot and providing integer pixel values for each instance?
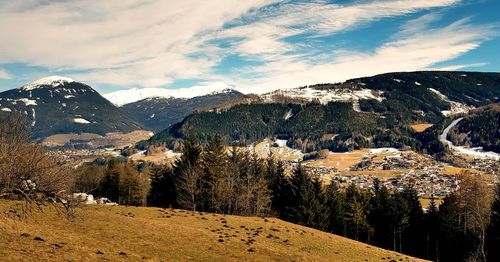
(48, 81)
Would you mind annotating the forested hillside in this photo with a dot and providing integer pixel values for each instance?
(481, 128)
(405, 98)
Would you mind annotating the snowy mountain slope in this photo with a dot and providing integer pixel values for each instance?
(123, 97)
(55, 105)
(159, 113)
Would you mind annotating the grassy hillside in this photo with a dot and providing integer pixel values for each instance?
(153, 234)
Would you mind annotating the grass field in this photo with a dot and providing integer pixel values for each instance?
(420, 127)
(105, 233)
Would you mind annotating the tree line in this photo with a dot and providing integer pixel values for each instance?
(214, 178)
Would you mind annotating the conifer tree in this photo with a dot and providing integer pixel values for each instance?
(163, 189)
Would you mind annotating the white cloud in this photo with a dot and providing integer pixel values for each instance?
(408, 51)
(121, 42)
(4, 74)
(154, 43)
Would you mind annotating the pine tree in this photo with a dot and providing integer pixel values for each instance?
(163, 190)
(187, 175)
(214, 165)
(110, 186)
(335, 208)
(308, 203)
(379, 215)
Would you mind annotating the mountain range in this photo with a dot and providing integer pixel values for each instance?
(364, 112)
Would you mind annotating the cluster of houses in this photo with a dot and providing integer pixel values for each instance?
(427, 185)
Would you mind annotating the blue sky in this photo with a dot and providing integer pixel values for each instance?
(252, 45)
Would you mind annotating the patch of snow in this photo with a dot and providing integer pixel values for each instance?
(288, 115)
(81, 121)
(356, 107)
(324, 96)
(48, 81)
(123, 97)
(417, 83)
(281, 142)
(33, 115)
(384, 149)
(455, 107)
(5, 109)
(69, 96)
(152, 116)
(397, 80)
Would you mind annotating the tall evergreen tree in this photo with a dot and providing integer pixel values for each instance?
(163, 191)
(187, 174)
(379, 215)
(308, 203)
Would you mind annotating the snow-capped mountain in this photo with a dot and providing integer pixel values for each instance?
(123, 97)
(55, 105)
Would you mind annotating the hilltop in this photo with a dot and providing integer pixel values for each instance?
(154, 234)
(60, 105)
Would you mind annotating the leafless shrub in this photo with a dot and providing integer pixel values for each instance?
(26, 172)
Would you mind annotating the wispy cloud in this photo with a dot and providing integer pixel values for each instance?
(118, 42)
(4, 74)
(408, 50)
(155, 43)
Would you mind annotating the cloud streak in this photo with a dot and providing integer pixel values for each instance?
(157, 43)
(4, 74)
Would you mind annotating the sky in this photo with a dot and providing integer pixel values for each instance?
(254, 46)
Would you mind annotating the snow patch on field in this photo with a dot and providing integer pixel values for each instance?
(455, 107)
(81, 121)
(384, 149)
(5, 109)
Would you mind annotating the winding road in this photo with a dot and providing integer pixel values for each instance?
(474, 152)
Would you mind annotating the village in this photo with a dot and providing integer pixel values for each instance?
(393, 168)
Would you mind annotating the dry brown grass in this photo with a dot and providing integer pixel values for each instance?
(117, 139)
(426, 202)
(453, 171)
(152, 234)
(420, 127)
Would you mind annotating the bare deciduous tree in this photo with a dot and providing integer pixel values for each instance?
(26, 172)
